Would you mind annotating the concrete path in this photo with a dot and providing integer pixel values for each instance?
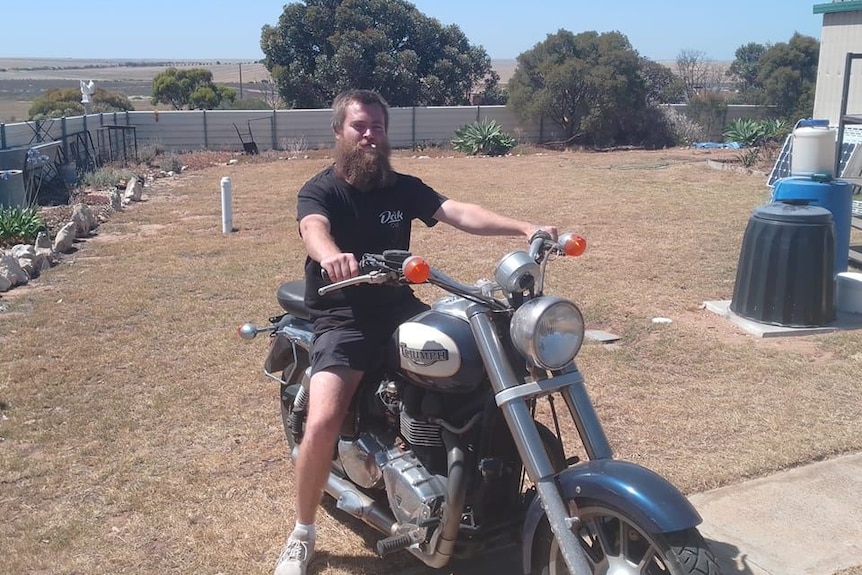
(805, 521)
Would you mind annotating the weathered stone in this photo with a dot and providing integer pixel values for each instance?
(134, 190)
(33, 261)
(81, 216)
(5, 283)
(91, 215)
(19, 251)
(48, 254)
(64, 239)
(116, 200)
(42, 240)
(12, 270)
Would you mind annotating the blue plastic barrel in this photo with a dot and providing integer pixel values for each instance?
(834, 195)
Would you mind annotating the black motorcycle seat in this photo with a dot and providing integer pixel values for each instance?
(291, 298)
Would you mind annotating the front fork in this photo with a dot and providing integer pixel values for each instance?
(512, 397)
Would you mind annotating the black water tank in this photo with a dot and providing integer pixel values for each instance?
(786, 265)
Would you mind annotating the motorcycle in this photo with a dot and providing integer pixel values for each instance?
(443, 450)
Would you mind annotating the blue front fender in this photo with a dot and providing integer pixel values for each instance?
(651, 501)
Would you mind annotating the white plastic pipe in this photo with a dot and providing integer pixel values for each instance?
(226, 206)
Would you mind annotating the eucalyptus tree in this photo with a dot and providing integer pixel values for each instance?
(321, 47)
(192, 89)
(592, 86)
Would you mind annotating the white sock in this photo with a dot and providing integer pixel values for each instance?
(304, 532)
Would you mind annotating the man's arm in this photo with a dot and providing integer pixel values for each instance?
(477, 220)
(320, 247)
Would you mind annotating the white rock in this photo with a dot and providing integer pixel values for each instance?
(12, 270)
(116, 200)
(47, 254)
(43, 241)
(19, 251)
(81, 216)
(64, 239)
(134, 190)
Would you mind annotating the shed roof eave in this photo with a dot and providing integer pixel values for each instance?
(842, 6)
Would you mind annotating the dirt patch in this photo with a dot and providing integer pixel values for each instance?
(140, 431)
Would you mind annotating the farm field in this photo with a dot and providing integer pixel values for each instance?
(22, 80)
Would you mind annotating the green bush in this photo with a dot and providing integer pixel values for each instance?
(19, 225)
(486, 137)
(756, 132)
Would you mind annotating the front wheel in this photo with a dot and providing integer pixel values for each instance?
(614, 543)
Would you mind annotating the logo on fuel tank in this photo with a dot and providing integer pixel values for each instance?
(424, 356)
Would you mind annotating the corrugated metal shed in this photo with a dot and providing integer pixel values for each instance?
(841, 33)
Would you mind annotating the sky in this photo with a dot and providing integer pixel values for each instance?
(191, 29)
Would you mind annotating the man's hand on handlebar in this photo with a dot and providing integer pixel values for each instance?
(340, 267)
(545, 232)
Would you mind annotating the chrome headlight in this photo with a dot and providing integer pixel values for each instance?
(516, 272)
(548, 331)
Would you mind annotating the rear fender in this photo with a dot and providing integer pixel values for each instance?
(648, 498)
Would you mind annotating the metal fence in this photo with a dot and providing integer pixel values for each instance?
(179, 131)
(89, 141)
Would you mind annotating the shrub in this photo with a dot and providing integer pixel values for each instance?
(684, 130)
(150, 152)
(171, 163)
(19, 225)
(486, 137)
(108, 177)
(756, 132)
(746, 131)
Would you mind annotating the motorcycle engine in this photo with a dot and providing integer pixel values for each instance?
(413, 492)
(406, 470)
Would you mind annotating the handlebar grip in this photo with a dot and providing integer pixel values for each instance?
(540, 234)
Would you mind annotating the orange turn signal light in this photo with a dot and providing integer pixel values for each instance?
(573, 244)
(416, 270)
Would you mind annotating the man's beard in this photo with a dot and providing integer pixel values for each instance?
(363, 167)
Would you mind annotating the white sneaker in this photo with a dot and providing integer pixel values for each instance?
(295, 556)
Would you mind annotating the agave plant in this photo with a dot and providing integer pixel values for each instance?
(746, 131)
(486, 137)
(19, 225)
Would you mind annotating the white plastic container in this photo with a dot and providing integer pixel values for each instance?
(12, 192)
(848, 292)
(813, 150)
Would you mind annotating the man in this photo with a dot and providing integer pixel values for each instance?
(358, 205)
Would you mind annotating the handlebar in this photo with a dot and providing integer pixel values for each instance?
(388, 268)
(374, 277)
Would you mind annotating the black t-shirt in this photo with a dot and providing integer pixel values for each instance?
(362, 222)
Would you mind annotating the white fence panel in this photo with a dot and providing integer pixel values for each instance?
(308, 128)
(185, 130)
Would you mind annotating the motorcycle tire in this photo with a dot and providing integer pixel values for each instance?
(613, 542)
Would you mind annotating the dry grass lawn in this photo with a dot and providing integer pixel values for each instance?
(139, 435)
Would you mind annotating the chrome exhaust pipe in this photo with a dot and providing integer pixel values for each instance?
(349, 499)
(443, 540)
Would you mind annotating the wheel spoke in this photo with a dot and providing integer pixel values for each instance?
(615, 544)
(602, 535)
(645, 562)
